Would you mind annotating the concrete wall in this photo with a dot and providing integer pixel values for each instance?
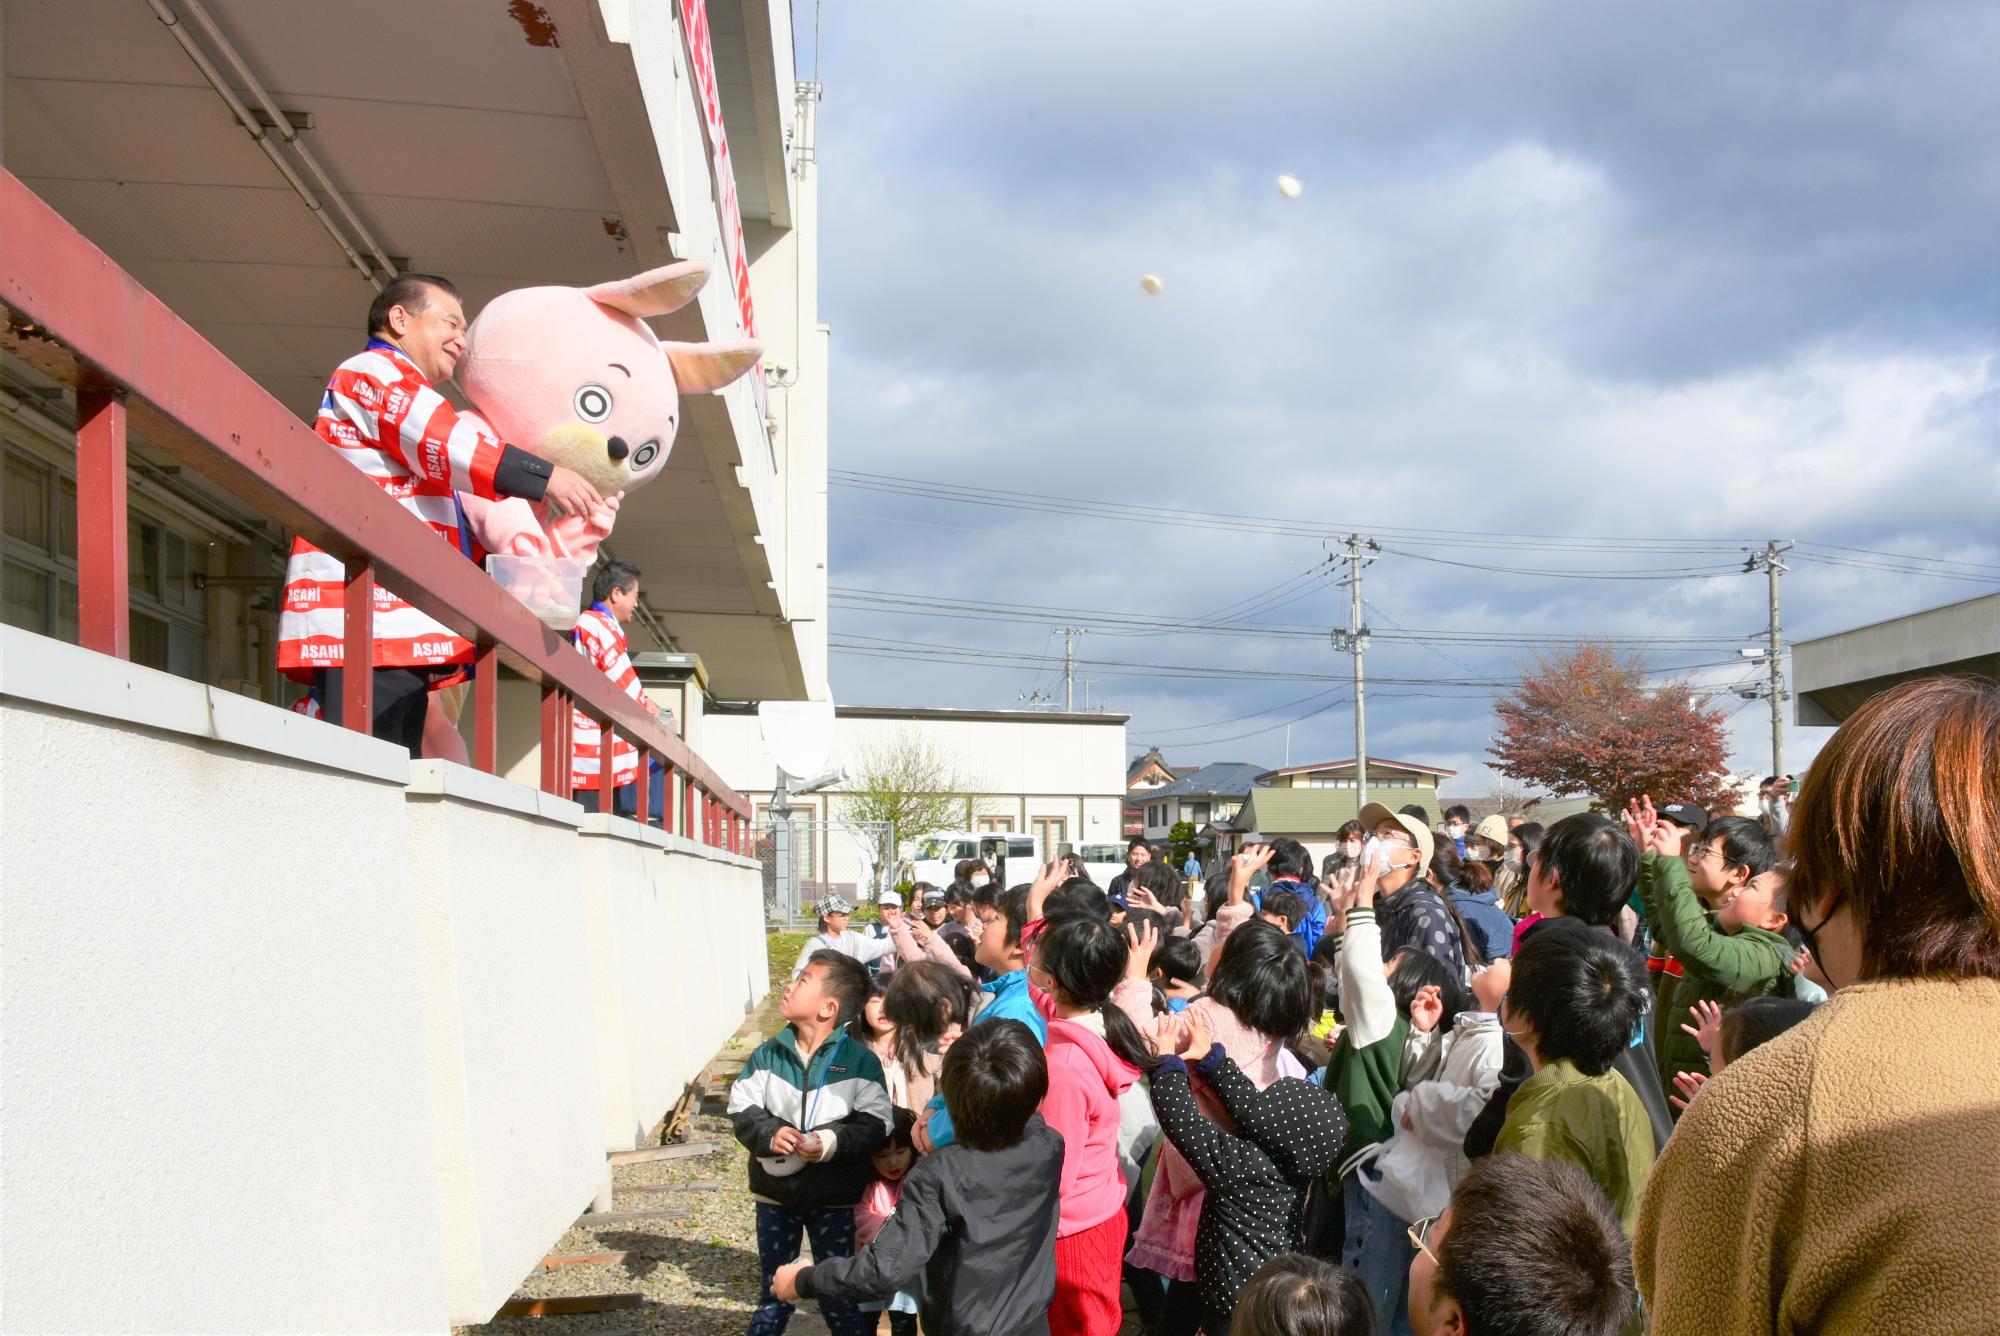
(301, 1035)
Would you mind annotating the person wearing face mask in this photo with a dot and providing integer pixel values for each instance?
(1409, 908)
(1458, 825)
(1339, 869)
(1839, 1178)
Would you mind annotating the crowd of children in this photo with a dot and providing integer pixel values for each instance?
(1371, 1102)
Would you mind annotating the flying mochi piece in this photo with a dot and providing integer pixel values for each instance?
(1289, 186)
(1151, 284)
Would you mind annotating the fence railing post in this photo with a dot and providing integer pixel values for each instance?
(553, 715)
(357, 663)
(486, 707)
(103, 588)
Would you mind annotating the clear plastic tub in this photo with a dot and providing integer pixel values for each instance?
(550, 587)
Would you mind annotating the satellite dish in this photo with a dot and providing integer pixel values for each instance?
(798, 734)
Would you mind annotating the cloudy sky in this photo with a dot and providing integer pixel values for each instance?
(1647, 284)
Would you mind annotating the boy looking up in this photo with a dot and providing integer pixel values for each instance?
(975, 1229)
(1575, 994)
(1007, 996)
(811, 1109)
(1739, 955)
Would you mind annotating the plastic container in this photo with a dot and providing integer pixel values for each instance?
(550, 587)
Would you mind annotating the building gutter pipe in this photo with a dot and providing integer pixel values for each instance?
(172, 23)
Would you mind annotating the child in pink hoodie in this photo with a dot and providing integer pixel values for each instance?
(1094, 1056)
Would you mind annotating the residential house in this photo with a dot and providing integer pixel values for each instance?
(1148, 771)
(1209, 796)
(1309, 803)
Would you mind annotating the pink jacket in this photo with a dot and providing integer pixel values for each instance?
(1085, 1080)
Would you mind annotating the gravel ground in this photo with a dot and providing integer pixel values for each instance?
(699, 1276)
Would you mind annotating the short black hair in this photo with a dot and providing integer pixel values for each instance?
(1742, 842)
(1178, 959)
(1535, 1249)
(412, 292)
(1013, 906)
(1083, 958)
(1286, 906)
(611, 575)
(1289, 858)
(1758, 1020)
(1161, 880)
(1135, 842)
(1459, 810)
(1261, 977)
(1595, 863)
(845, 980)
(988, 895)
(1077, 897)
(1416, 970)
(1582, 989)
(902, 1131)
(1296, 1295)
(1141, 918)
(1412, 809)
(994, 1079)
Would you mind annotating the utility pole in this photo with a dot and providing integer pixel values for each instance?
(1360, 553)
(1774, 651)
(1069, 635)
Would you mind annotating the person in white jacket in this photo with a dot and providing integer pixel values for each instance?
(835, 935)
(1448, 1073)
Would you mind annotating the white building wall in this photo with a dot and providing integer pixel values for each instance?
(269, 982)
(1019, 765)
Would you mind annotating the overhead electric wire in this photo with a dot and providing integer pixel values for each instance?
(1902, 556)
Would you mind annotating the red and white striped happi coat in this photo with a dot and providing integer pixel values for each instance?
(383, 416)
(601, 639)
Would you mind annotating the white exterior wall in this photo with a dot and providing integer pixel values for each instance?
(267, 981)
(1022, 767)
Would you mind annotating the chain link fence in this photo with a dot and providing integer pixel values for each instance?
(803, 859)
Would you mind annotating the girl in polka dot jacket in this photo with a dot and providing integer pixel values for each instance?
(1284, 1138)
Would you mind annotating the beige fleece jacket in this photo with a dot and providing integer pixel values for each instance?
(1843, 1179)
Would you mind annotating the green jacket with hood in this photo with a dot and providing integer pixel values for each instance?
(1716, 966)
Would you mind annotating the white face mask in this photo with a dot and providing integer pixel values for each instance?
(980, 879)
(1455, 830)
(1352, 848)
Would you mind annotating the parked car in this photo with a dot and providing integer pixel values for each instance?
(1011, 856)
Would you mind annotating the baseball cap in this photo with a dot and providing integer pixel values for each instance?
(890, 900)
(933, 898)
(1374, 814)
(836, 904)
(1493, 830)
(1685, 814)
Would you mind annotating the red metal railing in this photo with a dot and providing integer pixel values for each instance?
(76, 316)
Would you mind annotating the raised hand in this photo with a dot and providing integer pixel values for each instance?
(1689, 1085)
(1142, 939)
(1707, 1031)
(1427, 1008)
(1199, 1037)
(1245, 866)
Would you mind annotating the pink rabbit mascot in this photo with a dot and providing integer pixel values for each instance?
(576, 376)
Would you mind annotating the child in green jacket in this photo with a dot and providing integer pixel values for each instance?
(1740, 953)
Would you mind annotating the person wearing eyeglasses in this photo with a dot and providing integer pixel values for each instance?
(1731, 871)
(382, 413)
(1527, 1247)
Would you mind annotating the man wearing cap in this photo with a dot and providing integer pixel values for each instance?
(1411, 912)
(835, 935)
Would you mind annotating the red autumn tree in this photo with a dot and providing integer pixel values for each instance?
(1586, 722)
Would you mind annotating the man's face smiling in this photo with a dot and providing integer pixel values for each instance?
(433, 337)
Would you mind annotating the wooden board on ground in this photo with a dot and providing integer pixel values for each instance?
(555, 1261)
(569, 1303)
(699, 1185)
(621, 1217)
(648, 1154)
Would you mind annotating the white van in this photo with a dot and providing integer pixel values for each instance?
(936, 856)
(1102, 862)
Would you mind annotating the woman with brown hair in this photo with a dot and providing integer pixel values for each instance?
(1840, 1178)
